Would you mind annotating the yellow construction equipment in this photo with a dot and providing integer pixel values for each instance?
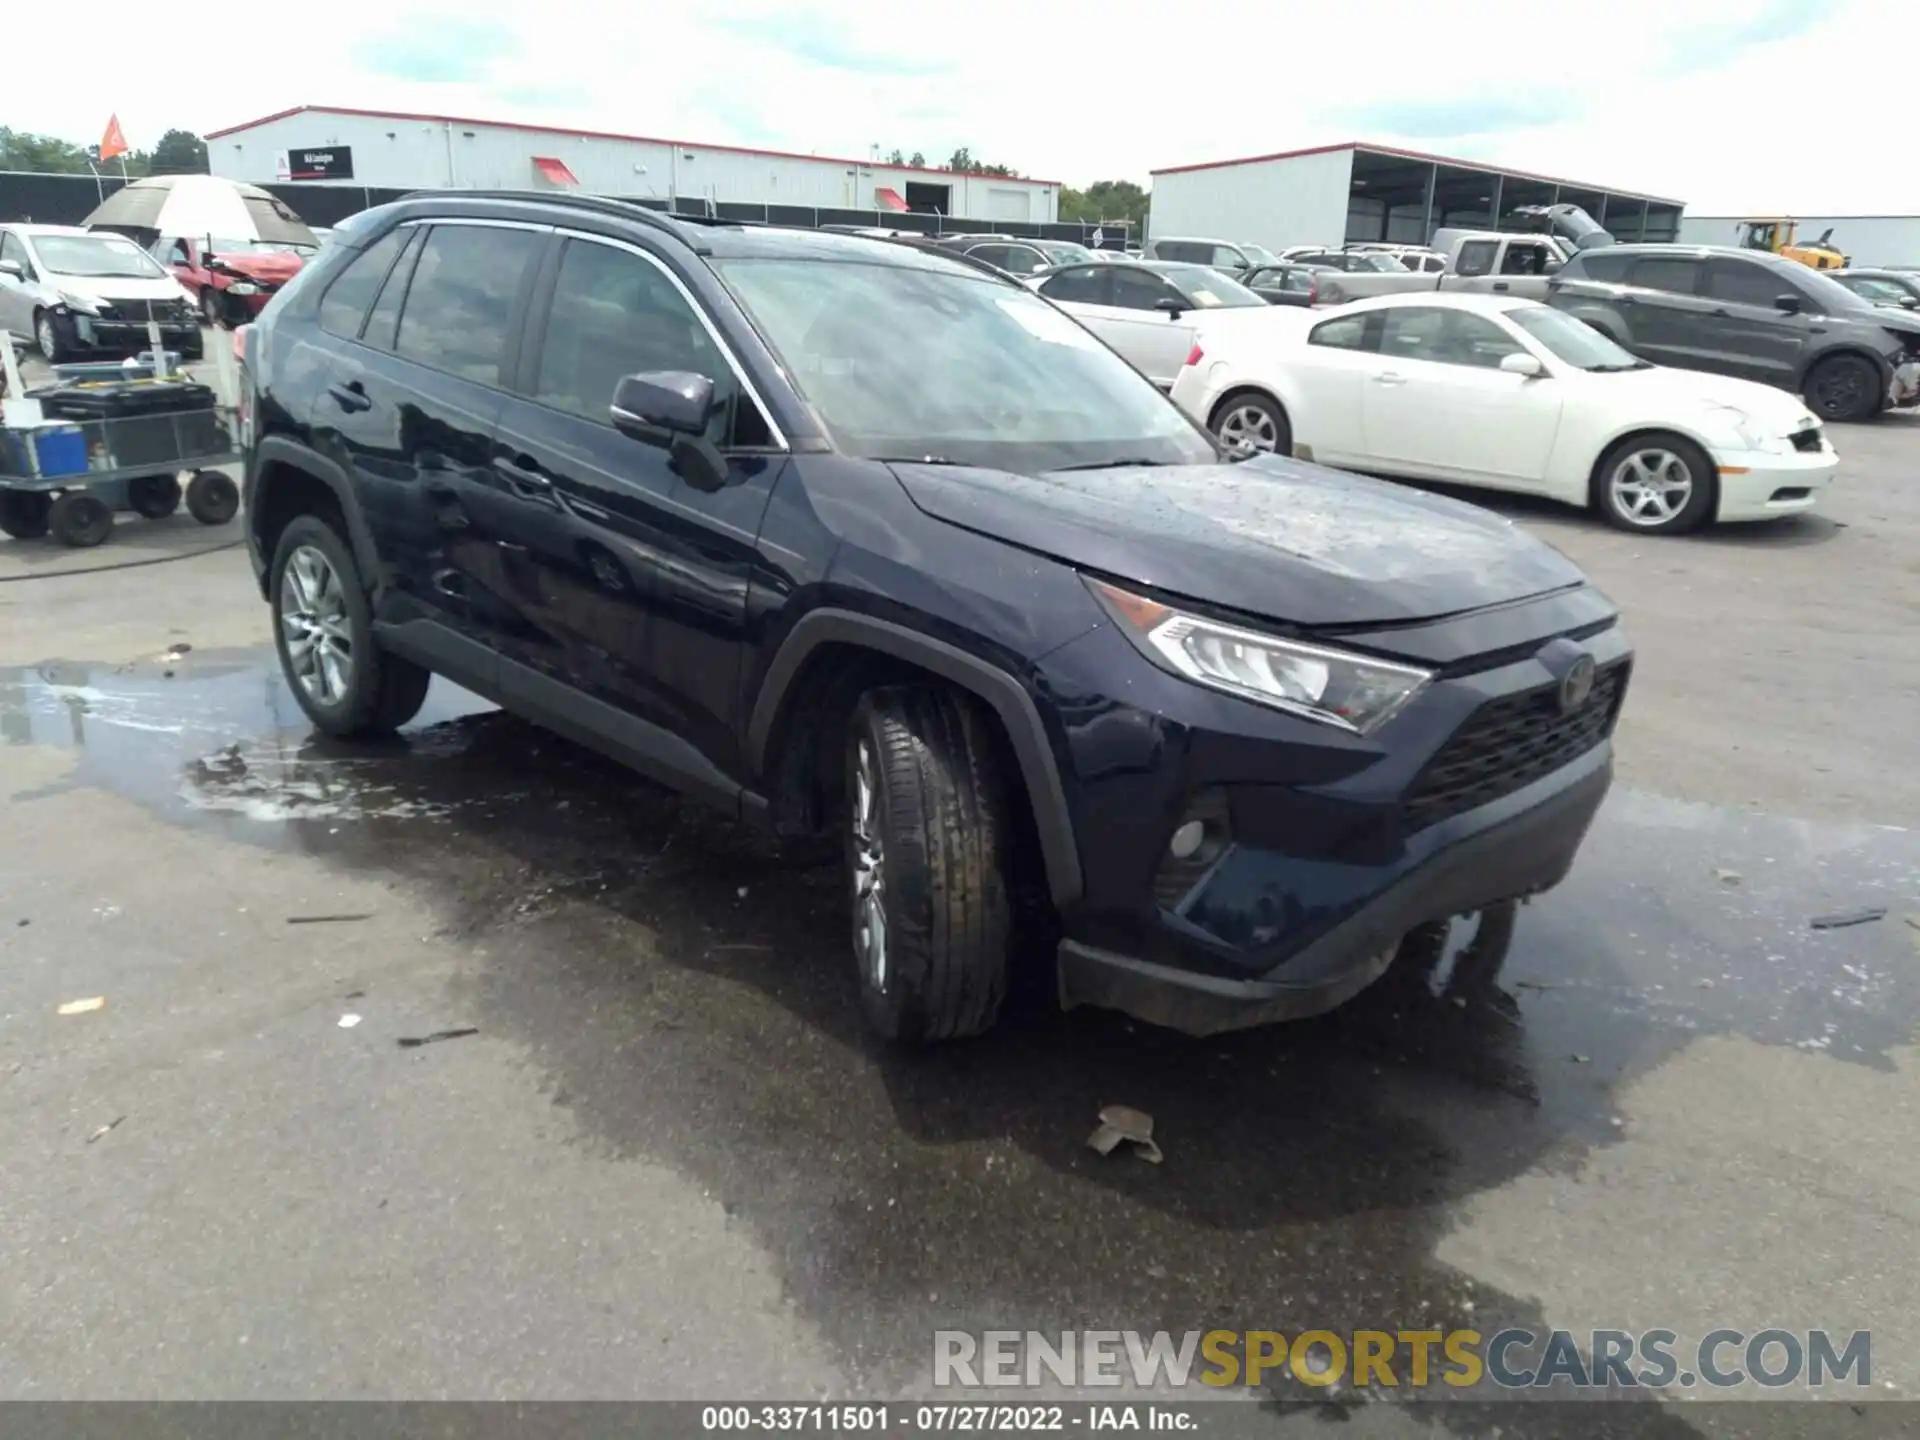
(1775, 236)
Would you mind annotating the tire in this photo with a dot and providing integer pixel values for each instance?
(1656, 484)
(211, 308)
(54, 346)
(212, 498)
(153, 497)
(23, 513)
(927, 854)
(1254, 422)
(365, 691)
(1843, 387)
(80, 520)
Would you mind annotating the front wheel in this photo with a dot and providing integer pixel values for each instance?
(24, 514)
(1656, 484)
(80, 520)
(50, 336)
(928, 852)
(323, 629)
(1845, 387)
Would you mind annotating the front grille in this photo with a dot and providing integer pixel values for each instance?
(1807, 440)
(140, 311)
(1512, 742)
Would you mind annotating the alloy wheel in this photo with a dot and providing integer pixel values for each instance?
(1650, 487)
(315, 624)
(49, 339)
(869, 869)
(1248, 429)
(1841, 390)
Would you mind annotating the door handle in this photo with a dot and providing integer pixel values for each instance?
(522, 478)
(1500, 285)
(351, 397)
(1388, 377)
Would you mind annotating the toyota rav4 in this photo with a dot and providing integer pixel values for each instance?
(842, 534)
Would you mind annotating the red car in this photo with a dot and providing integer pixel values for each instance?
(233, 279)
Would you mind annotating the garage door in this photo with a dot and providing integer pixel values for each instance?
(1005, 204)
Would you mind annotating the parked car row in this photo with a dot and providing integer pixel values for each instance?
(896, 551)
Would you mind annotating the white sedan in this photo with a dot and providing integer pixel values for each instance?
(1148, 310)
(1512, 395)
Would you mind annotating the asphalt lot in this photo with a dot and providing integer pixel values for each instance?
(671, 1163)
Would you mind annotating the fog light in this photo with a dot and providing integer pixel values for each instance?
(1187, 840)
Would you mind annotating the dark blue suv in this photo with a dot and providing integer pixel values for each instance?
(841, 534)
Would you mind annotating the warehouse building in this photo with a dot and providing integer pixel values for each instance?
(1870, 241)
(325, 146)
(1336, 193)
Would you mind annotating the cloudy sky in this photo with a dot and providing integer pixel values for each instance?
(1801, 106)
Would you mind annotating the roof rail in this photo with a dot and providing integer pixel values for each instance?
(598, 204)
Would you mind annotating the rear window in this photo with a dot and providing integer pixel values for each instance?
(345, 305)
(1476, 257)
(1605, 268)
(1659, 272)
(1349, 332)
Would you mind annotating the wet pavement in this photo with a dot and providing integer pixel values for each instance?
(680, 991)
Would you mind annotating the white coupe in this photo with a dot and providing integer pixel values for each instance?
(1512, 395)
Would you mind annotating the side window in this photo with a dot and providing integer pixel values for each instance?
(383, 325)
(460, 303)
(1524, 258)
(1659, 272)
(1183, 250)
(1739, 283)
(1300, 281)
(615, 314)
(1596, 265)
(1347, 333)
(12, 249)
(1088, 285)
(1226, 258)
(1475, 257)
(176, 253)
(1136, 289)
(345, 304)
(1467, 339)
(1024, 260)
(1415, 333)
(992, 254)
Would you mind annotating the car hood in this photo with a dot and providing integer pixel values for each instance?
(1773, 408)
(1274, 537)
(110, 287)
(276, 268)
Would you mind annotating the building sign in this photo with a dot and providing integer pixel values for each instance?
(333, 163)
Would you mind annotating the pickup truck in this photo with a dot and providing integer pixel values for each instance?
(1477, 260)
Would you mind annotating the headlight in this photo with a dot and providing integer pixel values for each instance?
(85, 304)
(1354, 692)
(243, 287)
(1749, 432)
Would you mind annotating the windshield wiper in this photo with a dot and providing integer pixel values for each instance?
(1130, 462)
(1612, 369)
(915, 460)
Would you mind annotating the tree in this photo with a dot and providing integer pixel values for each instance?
(917, 160)
(894, 157)
(44, 154)
(180, 152)
(1106, 200)
(962, 160)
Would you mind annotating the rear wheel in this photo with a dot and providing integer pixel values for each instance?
(153, 497)
(928, 855)
(80, 520)
(23, 514)
(1656, 484)
(323, 629)
(1845, 387)
(1252, 424)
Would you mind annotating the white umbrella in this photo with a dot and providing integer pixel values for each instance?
(201, 205)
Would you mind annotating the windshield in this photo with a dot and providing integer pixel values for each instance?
(1881, 292)
(218, 246)
(912, 362)
(1258, 255)
(1826, 293)
(1573, 341)
(1207, 288)
(96, 257)
(1374, 260)
(1065, 252)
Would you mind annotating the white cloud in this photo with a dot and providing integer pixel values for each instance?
(1816, 122)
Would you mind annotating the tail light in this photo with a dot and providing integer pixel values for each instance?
(243, 384)
(1313, 290)
(1196, 354)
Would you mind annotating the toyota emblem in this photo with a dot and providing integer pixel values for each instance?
(1576, 685)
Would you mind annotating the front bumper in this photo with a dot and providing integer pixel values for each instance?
(129, 337)
(1522, 845)
(1755, 486)
(1332, 846)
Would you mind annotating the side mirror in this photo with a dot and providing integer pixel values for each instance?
(1521, 363)
(672, 409)
(1909, 302)
(12, 269)
(1787, 304)
(1173, 309)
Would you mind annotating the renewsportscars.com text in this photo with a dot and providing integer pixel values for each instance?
(1510, 1359)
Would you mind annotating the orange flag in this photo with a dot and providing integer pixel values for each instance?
(114, 142)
